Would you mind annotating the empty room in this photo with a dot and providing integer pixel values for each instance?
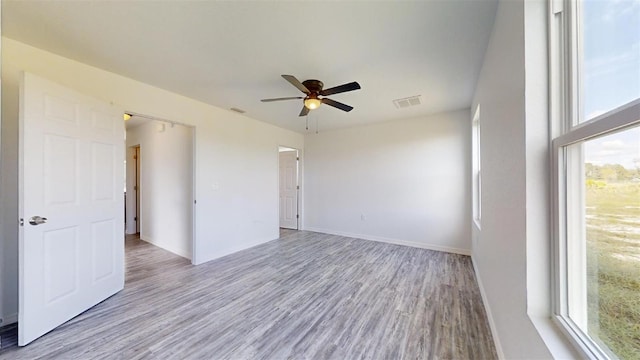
(320, 179)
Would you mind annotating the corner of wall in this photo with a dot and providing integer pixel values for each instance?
(487, 309)
(502, 94)
(387, 240)
(3, 317)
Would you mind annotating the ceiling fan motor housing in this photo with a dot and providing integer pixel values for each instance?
(314, 86)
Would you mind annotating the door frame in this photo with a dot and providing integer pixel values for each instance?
(193, 128)
(136, 187)
(299, 181)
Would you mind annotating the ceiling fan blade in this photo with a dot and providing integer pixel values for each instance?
(295, 82)
(304, 111)
(340, 89)
(283, 98)
(339, 105)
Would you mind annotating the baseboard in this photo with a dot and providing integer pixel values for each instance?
(233, 251)
(9, 319)
(180, 252)
(487, 309)
(393, 241)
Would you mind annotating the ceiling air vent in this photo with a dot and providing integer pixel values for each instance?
(239, 111)
(406, 102)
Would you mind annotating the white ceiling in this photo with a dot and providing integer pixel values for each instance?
(231, 54)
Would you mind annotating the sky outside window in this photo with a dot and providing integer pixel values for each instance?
(611, 55)
(611, 74)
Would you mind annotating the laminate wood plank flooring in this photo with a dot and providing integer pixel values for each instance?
(8, 336)
(303, 296)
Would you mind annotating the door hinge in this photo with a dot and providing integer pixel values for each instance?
(135, 157)
(135, 218)
(21, 222)
(194, 202)
(298, 187)
(135, 187)
(297, 159)
(297, 216)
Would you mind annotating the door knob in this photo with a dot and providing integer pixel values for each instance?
(37, 220)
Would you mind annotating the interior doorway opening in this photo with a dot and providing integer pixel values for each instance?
(159, 198)
(289, 187)
(136, 186)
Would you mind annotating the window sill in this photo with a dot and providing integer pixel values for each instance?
(555, 339)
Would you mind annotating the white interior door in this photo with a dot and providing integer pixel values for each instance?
(289, 190)
(71, 175)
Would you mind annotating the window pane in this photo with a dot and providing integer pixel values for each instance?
(610, 55)
(477, 175)
(603, 253)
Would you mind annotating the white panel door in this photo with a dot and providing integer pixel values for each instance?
(71, 176)
(289, 190)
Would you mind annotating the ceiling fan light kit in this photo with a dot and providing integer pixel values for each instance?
(312, 103)
(313, 90)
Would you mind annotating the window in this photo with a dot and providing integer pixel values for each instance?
(595, 107)
(477, 178)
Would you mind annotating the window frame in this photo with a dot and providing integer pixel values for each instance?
(476, 160)
(619, 119)
(566, 130)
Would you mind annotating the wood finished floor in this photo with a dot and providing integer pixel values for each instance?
(304, 296)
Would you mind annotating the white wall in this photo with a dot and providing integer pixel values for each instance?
(166, 185)
(2, 295)
(236, 156)
(511, 92)
(9, 183)
(408, 178)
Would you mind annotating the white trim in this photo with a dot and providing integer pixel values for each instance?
(616, 119)
(487, 310)
(283, 148)
(393, 241)
(194, 201)
(577, 339)
(560, 344)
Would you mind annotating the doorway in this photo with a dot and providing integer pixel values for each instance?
(136, 217)
(289, 187)
(160, 179)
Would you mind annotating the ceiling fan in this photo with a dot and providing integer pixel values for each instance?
(315, 94)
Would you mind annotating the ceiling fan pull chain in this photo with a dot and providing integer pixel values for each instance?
(316, 124)
(307, 122)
